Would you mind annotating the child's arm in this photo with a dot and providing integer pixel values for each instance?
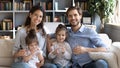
(49, 43)
(41, 60)
(28, 57)
(53, 53)
(68, 52)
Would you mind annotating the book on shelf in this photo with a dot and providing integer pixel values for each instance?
(48, 18)
(18, 5)
(7, 24)
(5, 5)
(49, 6)
(43, 4)
(5, 37)
(86, 20)
(83, 5)
(60, 18)
(23, 5)
(27, 4)
(46, 5)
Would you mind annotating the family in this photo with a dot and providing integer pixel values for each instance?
(33, 48)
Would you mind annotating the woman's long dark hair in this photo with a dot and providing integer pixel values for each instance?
(28, 19)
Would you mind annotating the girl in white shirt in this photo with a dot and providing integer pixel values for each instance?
(60, 51)
(33, 53)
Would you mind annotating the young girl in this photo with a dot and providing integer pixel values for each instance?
(33, 55)
(60, 50)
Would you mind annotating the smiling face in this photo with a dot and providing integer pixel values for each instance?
(36, 17)
(33, 46)
(74, 17)
(61, 36)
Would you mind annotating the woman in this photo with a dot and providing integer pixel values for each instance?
(34, 21)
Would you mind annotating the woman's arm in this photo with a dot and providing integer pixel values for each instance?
(17, 51)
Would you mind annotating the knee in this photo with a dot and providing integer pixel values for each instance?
(49, 65)
(102, 63)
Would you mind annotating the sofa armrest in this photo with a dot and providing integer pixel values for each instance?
(116, 49)
(108, 56)
(105, 39)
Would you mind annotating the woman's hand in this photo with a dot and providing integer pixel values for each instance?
(41, 60)
(21, 52)
(39, 64)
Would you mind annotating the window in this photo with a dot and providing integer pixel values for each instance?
(116, 15)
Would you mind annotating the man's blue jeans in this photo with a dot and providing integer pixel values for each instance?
(94, 64)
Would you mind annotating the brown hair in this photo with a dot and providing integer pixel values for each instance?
(31, 37)
(61, 27)
(28, 19)
(74, 8)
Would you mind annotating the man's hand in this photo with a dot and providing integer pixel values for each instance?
(79, 50)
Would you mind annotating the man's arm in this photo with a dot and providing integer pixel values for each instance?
(81, 50)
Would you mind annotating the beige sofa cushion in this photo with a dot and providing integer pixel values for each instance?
(6, 52)
(116, 49)
(108, 56)
(5, 67)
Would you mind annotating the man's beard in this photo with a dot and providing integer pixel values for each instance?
(74, 25)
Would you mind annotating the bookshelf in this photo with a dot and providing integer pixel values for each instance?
(13, 13)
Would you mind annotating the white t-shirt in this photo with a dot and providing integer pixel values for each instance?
(34, 59)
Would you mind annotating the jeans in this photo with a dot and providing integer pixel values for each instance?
(59, 66)
(49, 65)
(93, 64)
(25, 65)
(20, 65)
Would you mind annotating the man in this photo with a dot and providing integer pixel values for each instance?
(83, 40)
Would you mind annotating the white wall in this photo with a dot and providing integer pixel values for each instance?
(50, 27)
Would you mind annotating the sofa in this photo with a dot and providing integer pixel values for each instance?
(111, 56)
(6, 58)
(113, 31)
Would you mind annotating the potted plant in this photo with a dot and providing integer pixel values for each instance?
(104, 8)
